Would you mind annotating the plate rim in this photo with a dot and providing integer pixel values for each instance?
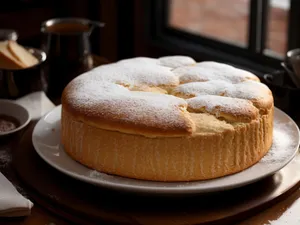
(150, 189)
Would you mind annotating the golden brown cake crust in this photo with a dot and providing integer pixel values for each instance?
(158, 119)
(199, 157)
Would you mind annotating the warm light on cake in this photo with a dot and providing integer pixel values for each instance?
(167, 119)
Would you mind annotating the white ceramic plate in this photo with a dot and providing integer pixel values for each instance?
(46, 140)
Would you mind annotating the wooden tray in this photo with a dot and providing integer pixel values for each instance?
(83, 203)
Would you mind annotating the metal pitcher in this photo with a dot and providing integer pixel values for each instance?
(66, 42)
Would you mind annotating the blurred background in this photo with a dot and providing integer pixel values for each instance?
(228, 21)
(255, 34)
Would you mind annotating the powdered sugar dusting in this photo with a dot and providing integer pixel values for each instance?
(107, 92)
(249, 90)
(118, 104)
(90, 92)
(227, 69)
(5, 158)
(133, 74)
(166, 61)
(139, 60)
(216, 104)
(176, 61)
(282, 144)
(206, 71)
(147, 108)
(214, 87)
(213, 64)
(97, 175)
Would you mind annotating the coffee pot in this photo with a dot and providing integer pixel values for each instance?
(66, 42)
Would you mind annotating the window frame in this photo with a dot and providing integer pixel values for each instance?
(201, 48)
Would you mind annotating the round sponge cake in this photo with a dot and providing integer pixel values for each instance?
(167, 119)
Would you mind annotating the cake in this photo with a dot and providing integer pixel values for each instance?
(167, 119)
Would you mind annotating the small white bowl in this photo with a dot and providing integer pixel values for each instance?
(10, 108)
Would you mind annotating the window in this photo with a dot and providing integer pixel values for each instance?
(225, 21)
(278, 27)
(254, 34)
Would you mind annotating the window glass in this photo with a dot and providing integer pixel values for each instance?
(278, 26)
(225, 21)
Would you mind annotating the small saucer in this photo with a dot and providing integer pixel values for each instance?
(16, 111)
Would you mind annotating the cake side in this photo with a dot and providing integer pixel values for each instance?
(198, 157)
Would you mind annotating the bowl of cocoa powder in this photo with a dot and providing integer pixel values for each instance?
(13, 117)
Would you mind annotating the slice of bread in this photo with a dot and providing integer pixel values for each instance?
(22, 54)
(7, 59)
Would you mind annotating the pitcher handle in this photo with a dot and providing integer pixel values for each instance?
(96, 23)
